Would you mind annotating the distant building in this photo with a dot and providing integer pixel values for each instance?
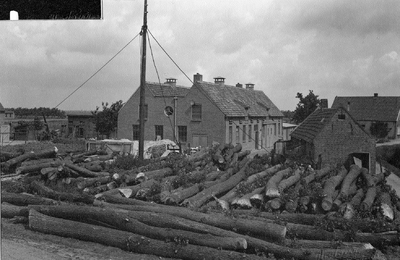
(332, 136)
(205, 113)
(367, 110)
(287, 129)
(80, 124)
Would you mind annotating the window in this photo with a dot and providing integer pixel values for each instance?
(341, 116)
(136, 132)
(146, 111)
(237, 134)
(244, 134)
(230, 134)
(81, 131)
(182, 133)
(250, 127)
(196, 112)
(159, 131)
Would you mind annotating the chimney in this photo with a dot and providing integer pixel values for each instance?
(219, 80)
(197, 77)
(171, 82)
(324, 103)
(238, 85)
(250, 86)
(348, 106)
(375, 94)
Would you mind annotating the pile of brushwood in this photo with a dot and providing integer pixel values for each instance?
(219, 203)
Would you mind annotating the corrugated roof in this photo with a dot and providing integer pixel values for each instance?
(313, 124)
(385, 108)
(239, 102)
(166, 90)
(78, 113)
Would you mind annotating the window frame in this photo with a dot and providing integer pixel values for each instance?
(182, 132)
(198, 114)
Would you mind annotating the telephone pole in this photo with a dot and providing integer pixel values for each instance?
(142, 84)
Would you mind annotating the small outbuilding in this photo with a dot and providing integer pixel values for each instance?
(332, 136)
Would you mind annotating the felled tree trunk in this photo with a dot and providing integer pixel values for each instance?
(123, 220)
(286, 183)
(316, 175)
(245, 201)
(24, 199)
(271, 189)
(25, 156)
(202, 197)
(258, 244)
(329, 189)
(85, 172)
(268, 230)
(97, 181)
(348, 209)
(10, 211)
(176, 196)
(348, 180)
(161, 173)
(63, 196)
(369, 198)
(124, 240)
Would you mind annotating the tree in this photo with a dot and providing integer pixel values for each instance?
(379, 129)
(306, 106)
(107, 120)
(37, 125)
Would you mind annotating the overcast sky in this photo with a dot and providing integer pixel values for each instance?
(333, 47)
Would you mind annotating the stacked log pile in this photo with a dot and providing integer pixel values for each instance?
(219, 203)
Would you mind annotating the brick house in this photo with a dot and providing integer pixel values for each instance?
(205, 113)
(80, 124)
(367, 110)
(332, 136)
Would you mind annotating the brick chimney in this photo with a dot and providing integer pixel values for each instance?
(238, 85)
(197, 77)
(219, 80)
(250, 86)
(324, 103)
(171, 82)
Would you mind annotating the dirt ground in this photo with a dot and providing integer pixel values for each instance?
(19, 243)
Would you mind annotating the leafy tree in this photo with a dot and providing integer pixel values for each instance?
(107, 120)
(306, 106)
(379, 129)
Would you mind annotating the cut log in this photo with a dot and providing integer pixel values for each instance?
(318, 174)
(5, 156)
(267, 230)
(386, 206)
(24, 199)
(124, 240)
(85, 172)
(123, 220)
(369, 198)
(42, 190)
(307, 232)
(134, 189)
(274, 204)
(348, 180)
(10, 210)
(329, 189)
(286, 183)
(348, 209)
(257, 244)
(97, 181)
(41, 154)
(214, 175)
(202, 197)
(379, 240)
(38, 161)
(232, 194)
(271, 189)
(304, 203)
(176, 196)
(245, 201)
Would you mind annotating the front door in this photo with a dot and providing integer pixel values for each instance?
(200, 140)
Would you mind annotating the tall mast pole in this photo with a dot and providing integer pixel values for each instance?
(142, 84)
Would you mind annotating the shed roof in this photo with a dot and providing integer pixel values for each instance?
(313, 124)
(166, 90)
(370, 108)
(238, 102)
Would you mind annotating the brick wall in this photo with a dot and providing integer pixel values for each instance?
(341, 137)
